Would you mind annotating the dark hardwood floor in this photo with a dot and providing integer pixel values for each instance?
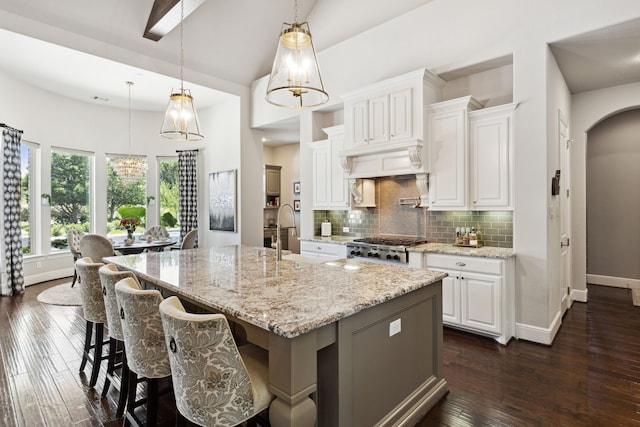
(590, 376)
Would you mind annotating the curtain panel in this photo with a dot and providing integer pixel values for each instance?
(11, 271)
(188, 191)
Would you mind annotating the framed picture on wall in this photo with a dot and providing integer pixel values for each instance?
(296, 205)
(296, 188)
(222, 201)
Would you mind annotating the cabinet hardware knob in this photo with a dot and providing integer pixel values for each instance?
(460, 263)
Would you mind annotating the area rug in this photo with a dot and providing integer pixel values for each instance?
(62, 294)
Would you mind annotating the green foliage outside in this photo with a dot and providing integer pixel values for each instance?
(169, 202)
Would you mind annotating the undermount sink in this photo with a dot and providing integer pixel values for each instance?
(302, 258)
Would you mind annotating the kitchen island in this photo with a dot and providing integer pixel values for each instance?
(350, 343)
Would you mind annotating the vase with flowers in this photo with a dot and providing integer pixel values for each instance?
(130, 225)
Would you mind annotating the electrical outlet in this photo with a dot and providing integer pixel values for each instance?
(39, 264)
(345, 229)
(395, 327)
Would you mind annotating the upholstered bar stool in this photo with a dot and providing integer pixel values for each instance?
(215, 383)
(73, 241)
(94, 313)
(109, 276)
(144, 345)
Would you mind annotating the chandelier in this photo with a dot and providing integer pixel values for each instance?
(295, 80)
(129, 168)
(181, 119)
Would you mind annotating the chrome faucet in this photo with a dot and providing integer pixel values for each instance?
(278, 243)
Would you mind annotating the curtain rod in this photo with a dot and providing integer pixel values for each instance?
(2, 125)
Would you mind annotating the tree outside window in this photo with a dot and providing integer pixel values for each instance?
(70, 195)
(122, 194)
(169, 202)
(27, 198)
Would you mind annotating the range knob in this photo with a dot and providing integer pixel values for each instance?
(396, 257)
(369, 254)
(353, 252)
(376, 255)
(359, 253)
(389, 256)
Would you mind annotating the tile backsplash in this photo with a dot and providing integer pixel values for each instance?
(389, 217)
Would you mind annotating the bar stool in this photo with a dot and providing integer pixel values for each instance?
(94, 313)
(144, 346)
(73, 241)
(109, 276)
(215, 382)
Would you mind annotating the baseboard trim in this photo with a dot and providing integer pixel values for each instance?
(34, 279)
(616, 282)
(579, 295)
(537, 334)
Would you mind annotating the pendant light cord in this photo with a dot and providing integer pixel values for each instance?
(181, 48)
(295, 6)
(130, 84)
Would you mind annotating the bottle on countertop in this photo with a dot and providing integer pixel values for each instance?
(480, 237)
(458, 240)
(465, 236)
(473, 237)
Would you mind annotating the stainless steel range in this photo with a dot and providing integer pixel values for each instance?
(390, 249)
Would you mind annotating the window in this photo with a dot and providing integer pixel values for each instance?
(169, 202)
(28, 222)
(70, 194)
(125, 198)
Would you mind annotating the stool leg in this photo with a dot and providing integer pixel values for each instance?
(124, 386)
(152, 402)
(132, 390)
(75, 277)
(87, 344)
(97, 354)
(111, 365)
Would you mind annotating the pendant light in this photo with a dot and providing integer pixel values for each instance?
(128, 167)
(181, 119)
(295, 80)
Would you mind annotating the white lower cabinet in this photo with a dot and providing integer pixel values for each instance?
(477, 295)
(313, 248)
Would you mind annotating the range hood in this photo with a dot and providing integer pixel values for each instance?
(388, 159)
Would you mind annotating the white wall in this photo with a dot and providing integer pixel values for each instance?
(588, 109)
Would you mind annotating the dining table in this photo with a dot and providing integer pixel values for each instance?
(321, 323)
(140, 245)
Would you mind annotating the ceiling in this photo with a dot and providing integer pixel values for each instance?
(72, 45)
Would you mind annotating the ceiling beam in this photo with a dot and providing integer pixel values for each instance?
(165, 16)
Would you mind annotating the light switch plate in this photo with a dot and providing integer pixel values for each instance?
(345, 229)
(395, 327)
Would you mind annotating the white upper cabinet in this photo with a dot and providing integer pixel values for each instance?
(470, 153)
(447, 144)
(491, 152)
(401, 115)
(330, 187)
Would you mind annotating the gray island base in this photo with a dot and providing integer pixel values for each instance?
(350, 343)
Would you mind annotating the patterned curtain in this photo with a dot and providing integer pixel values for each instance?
(188, 191)
(12, 281)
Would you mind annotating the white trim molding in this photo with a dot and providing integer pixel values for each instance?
(616, 282)
(537, 334)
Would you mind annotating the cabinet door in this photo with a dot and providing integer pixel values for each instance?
(272, 185)
(447, 142)
(481, 298)
(401, 120)
(379, 119)
(321, 159)
(451, 299)
(359, 124)
(489, 154)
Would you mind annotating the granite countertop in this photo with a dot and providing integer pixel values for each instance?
(288, 298)
(485, 251)
(341, 240)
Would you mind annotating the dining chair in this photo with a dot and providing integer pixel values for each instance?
(94, 313)
(73, 241)
(96, 247)
(215, 382)
(156, 232)
(144, 345)
(109, 276)
(190, 240)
